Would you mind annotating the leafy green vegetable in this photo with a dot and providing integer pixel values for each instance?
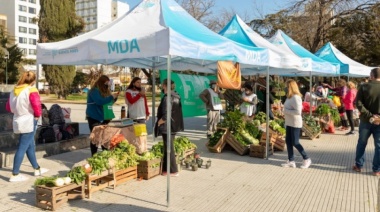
(216, 137)
(47, 181)
(77, 174)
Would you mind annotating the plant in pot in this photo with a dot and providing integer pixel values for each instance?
(199, 162)
(194, 166)
(188, 163)
(208, 164)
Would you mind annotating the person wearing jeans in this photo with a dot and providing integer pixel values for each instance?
(368, 104)
(25, 104)
(349, 105)
(293, 123)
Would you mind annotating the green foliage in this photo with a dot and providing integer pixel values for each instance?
(335, 115)
(261, 116)
(47, 181)
(233, 120)
(77, 174)
(60, 79)
(12, 63)
(323, 110)
(181, 144)
(214, 139)
(58, 21)
(81, 79)
(310, 121)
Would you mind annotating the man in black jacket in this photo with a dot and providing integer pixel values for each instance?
(176, 126)
(368, 104)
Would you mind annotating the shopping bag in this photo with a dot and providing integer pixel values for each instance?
(108, 111)
(336, 100)
(229, 75)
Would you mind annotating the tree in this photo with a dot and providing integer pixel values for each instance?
(310, 22)
(58, 21)
(358, 36)
(14, 58)
(80, 80)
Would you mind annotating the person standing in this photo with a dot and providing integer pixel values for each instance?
(248, 107)
(340, 91)
(99, 96)
(348, 101)
(211, 97)
(136, 100)
(368, 104)
(177, 125)
(25, 104)
(293, 123)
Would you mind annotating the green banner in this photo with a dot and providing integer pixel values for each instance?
(189, 87)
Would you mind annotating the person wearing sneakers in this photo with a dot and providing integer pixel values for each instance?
(175, 126)
(368, 104)
(293, 123)
(25, 104)
(349, 105)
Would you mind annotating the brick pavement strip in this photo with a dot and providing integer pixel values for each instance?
(233, 183)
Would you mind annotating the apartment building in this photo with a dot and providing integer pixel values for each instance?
(20, 16)
(3, 21)
(97, 13)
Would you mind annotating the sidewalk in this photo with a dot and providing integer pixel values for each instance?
(233, 183)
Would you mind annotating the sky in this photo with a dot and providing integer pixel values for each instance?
(252, 8)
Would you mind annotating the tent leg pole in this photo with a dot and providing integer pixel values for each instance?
(153, 102)
(168, 126)
(267, 117)
(310, 89)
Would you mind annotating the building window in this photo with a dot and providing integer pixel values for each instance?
(32, 52)
(22, 29)
(32, 10)
(32, 1)
(94, 18)
(21, 8)
(32, 41)
(32, 31)
(22, 0)
(88, 19)
(22, 18)
(23, 51)
(32, 21)
(22, 40)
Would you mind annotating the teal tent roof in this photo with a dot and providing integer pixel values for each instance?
(348, 66)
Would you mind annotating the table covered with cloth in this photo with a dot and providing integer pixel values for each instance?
(102, 135)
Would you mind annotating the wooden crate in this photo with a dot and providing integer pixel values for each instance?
(111, 177)
(279, 144)
(188, 153)
(51, 198)
(123, 175)
(272, 137)
(145, 169)
(220, 145)
(259, 151)
(239, 148)
(309, 133)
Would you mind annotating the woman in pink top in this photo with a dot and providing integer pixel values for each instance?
(348, 101)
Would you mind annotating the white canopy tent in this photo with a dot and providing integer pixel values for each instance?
(156, 34)
(282, 63)
(348, 66)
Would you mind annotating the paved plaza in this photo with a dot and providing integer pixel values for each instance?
(233, 183)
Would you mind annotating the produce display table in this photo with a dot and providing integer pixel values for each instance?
(51, 198)
(149, 169)
(102, 135)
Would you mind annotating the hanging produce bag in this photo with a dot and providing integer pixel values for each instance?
(229, 75)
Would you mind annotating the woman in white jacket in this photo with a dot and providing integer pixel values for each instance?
(25, 104)
(293, 123)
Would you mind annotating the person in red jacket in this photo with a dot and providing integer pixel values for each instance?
(348, 101)
(136, 100)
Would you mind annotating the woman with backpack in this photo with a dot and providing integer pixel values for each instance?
(25, 104)
(98, 99)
